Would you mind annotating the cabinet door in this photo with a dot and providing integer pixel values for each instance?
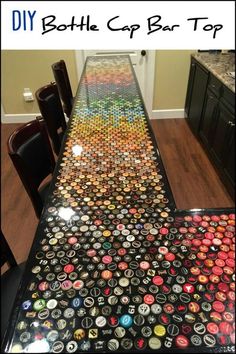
(229, 163)
(222, 135)
(197, 97)
(190, 86)
(209, 118)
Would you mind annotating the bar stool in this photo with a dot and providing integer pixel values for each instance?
(30, 151)
(51, 109)
(63, 83)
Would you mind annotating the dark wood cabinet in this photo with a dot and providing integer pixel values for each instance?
(223, 127)
(206, 128)
(190, 86)
(222, 146)
(210, 110)
(197, 84)
(229, 163)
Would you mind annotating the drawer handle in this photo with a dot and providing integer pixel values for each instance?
(212, 85)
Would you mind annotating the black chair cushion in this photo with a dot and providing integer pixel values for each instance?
(10, 282)
(36, 158)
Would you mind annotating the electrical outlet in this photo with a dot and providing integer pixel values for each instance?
(28, 95)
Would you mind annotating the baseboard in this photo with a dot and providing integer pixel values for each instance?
(18, 118)
(167, 113)
(156, 114)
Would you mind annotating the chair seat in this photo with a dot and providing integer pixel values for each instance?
(10, 282)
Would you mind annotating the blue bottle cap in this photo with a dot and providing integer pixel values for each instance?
(126, 321)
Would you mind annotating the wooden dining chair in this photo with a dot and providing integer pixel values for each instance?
(63, 83)
(51, 109)
(10, 281)
(30, 151)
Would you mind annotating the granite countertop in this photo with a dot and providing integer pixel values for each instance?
(220, 65)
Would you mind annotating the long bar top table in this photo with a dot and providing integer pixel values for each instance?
(114, 266)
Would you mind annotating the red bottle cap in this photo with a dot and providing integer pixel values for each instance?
(157, 280)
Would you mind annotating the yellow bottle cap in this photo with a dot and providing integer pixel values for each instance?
(159, 330)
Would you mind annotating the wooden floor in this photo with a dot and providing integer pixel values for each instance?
(193, 180)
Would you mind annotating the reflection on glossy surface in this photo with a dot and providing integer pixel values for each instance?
(115, 267)
(77, 150)
(39, 346)
(65, 213)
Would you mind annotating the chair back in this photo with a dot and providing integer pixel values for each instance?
(31, 153)
(6, 253)
(63, 83)
(51, 109)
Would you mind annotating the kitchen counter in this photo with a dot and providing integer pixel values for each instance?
(220, 65)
